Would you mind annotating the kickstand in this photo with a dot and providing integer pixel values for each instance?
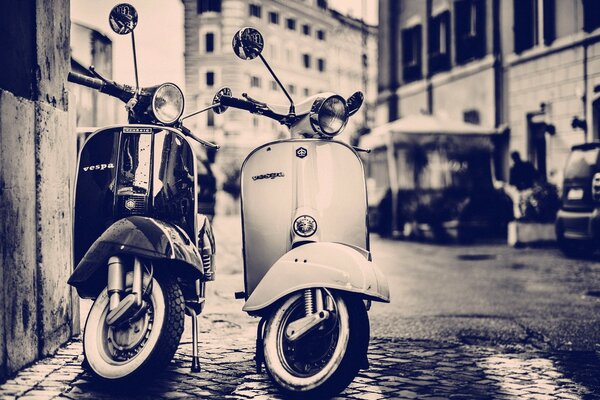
(195, 357)
(260, 353)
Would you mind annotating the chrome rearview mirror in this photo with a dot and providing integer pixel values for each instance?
(219, 108)
(354, 102)
(248, 43)
(123, 18)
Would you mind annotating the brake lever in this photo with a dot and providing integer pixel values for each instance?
(97, 75)
(189, 133)
(132, 102)
(360, 149)
(258, 103)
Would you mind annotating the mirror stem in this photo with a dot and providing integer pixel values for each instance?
(135, 67)
(200, 111)
(292, 107)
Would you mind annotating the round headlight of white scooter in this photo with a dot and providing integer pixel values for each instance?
(167, 103)
(328, 116)
(305, 226)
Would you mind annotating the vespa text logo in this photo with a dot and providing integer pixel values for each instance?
(270, 175)
(99, 167)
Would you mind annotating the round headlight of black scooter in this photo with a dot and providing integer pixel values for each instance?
(328, 116)
(167, 103)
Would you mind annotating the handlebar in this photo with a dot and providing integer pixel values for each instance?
(86, 81)
(255, 108)
(122, 92)
(238, 103)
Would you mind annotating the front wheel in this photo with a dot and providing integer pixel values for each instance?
(141, 346)
(325, 361)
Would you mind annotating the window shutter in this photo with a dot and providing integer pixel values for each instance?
(480, 28)
(461, 26)
(523, 24)
(549, 21)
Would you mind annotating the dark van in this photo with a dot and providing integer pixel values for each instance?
(578, 220)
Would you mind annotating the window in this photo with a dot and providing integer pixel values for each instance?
(210, 78)
(255, 10)
(469, 20)
(306, 61)
(591, 15)
(255, 82)
(534, 22)
(292, 89)
(208, 5)
(322, 4)
(306, 92)
(291, 24)
(411, 53)
(472, 117)
(439, 42)
(321, 64)
(274, 17)
(210, 118)
(209, 42)
(306, 30)
(321, 34)
(274, 54)
(274, 86)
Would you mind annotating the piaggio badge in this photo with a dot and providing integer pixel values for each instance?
(301, 152)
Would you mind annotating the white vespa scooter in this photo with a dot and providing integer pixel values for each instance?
(308, 269)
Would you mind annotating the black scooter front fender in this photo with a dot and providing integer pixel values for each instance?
(138, 236)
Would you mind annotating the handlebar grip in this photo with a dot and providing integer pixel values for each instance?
(85, 81)
(237, 103)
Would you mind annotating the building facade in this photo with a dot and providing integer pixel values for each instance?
(91, 47)
(531, 66)
(310, 47)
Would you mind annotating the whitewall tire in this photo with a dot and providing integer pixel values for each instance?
(325, 361)
(138, 349)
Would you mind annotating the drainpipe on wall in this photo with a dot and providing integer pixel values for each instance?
(426, 42)
(584, 95)
(394, 61)
(501, 145)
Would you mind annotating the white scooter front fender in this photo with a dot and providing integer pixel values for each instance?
(327, 265)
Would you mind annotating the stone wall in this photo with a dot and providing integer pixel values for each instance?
(37, 146)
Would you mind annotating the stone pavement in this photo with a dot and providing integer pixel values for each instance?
(400, 369)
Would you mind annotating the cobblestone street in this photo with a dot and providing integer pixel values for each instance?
(400, 369)
(418, 350)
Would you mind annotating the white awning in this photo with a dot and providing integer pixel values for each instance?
(422, 124)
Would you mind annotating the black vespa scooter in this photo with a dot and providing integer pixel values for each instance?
(142, 251)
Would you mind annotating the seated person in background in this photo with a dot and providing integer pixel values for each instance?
(522, 174)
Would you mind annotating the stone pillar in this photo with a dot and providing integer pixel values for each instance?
(37, 152)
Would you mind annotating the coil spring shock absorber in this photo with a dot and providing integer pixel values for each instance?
(308, 302)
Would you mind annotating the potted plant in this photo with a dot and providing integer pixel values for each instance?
(538, 207)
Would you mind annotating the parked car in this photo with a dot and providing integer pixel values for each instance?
(578, 220)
